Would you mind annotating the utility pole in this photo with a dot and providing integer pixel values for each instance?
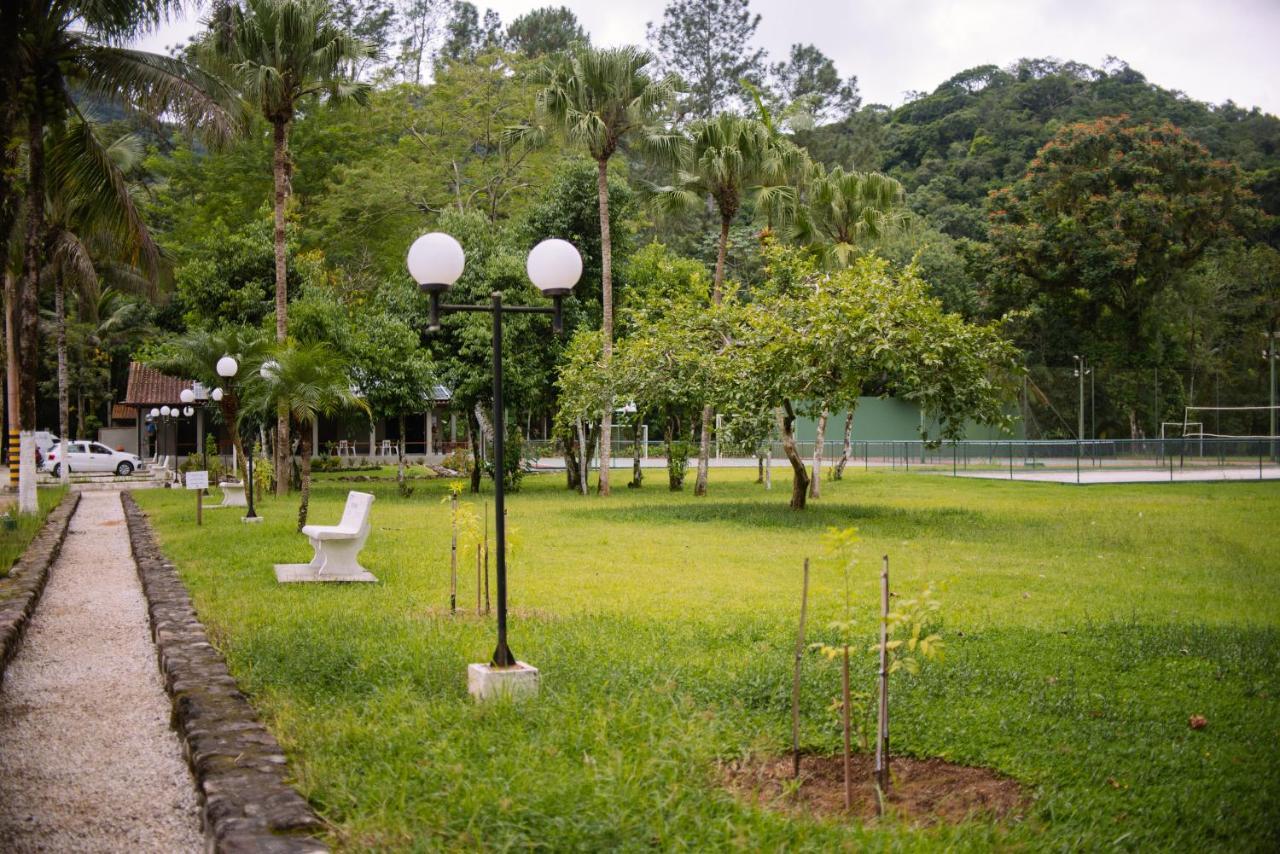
(1270, 355)
(1080, 371)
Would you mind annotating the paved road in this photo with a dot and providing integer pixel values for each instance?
(87, 759)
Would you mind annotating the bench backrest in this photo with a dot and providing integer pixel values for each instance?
(356, 514)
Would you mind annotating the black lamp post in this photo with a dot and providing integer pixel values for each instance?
(227, 368)
(554, 266)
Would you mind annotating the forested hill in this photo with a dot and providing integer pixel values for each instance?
(977, 131)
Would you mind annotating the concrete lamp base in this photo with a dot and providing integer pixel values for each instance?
(485, 682)
(251, 520)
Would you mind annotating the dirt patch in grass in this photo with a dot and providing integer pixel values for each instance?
(922, 791)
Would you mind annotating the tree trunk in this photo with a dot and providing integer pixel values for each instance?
(230, 411)
(473, 435)
(708, 414)
(637, 474)
(11, 376)
(819, 445)
(584, 459)
(29, 296)
(606, 297)
(280, 168)
(400, 456)
(846, 450)
(704, 453)
(60, 318)
(306, 478)
(571, 460)
(800, 476)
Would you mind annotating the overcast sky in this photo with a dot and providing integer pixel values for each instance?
(1213, 51)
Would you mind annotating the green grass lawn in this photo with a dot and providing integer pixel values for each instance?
(1083, 627)
(14, 543)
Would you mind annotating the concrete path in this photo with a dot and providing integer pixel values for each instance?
(87, 759)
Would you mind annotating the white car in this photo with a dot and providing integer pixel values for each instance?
(90, 457)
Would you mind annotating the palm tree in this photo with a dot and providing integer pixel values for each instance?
(89, 213)
(195, 355)
(599, 98)
(307, 381)
(726, 158)
(54, 56)
(846, 214)
(281, 54)
(850, 211)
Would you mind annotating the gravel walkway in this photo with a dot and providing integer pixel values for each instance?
(87, 759)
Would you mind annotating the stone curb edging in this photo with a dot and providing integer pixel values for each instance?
(246, 805)
(28, 576)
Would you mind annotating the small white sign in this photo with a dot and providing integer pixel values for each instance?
(197, 480)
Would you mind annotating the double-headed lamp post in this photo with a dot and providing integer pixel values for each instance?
(227, 368)
(1082, 370)
(554, 266)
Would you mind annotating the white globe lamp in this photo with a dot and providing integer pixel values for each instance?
(216, 394)
(554, 266)
(164, 411)
(188, 396)
(227, 367)
(435, 261)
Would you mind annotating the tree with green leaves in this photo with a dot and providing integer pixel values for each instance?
(809, 75)
(707, 43)
(55, 57)
(195, 354)
(1108, 216)
(823, 335)
(282, 54)
(466, 35)
(550, 29)
(597, 98)
(308, 381)
(725, 159)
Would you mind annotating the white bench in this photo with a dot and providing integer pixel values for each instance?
(337, 547)
(232, 495)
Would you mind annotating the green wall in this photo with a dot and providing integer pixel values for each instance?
(889, 418)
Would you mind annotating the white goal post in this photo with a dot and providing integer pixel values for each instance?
(1200, 433)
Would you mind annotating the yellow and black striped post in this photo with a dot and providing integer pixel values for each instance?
(14, 457)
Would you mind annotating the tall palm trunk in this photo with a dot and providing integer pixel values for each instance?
(280, 168)
(606, 298)
(846, 450)
(819, 445)
(28, 298)
(229, 407)
(306, 478)
(60, 317)
(717, 297)
(11, 375)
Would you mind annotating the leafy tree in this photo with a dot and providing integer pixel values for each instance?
(54, 57)
(848, 212)
(307, 381)
(810, 75)
(724, 159)
(1109, 214)
(195, 355)
(282, 54)
(550, 29)
(466, 36)
(708, 44)
(597, 98)
(419, 27)
(823, 336)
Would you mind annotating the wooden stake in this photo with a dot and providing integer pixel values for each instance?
(795, 684)
(848, 745)
(453, 558)
(199, 507)
(882, 729)
(479, 548)
(486, 558)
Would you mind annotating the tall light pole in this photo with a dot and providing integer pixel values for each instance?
(1081, 371)
(1270, 354)
(554, 266)
(227, 368)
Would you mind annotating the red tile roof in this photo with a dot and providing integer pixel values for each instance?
(123, 412)
(149, 387)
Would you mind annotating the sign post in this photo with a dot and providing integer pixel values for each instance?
(199, 481)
